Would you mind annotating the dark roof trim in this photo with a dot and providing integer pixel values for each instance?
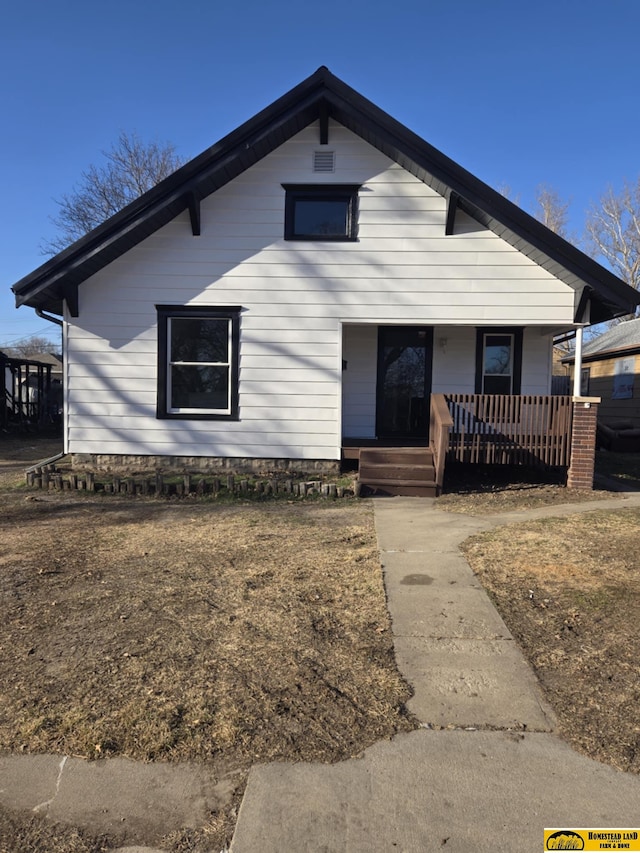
(582, 309)
(194, 214)
(321, 96)
(323, 115)
(452, 207)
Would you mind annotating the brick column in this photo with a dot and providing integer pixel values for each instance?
(583, 443)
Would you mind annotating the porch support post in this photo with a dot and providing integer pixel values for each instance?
(577, 365)
(583, 442)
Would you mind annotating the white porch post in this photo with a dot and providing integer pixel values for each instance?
(577, 370)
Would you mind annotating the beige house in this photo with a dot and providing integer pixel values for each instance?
(610, 370)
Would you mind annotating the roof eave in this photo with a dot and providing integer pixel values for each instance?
(319, 93)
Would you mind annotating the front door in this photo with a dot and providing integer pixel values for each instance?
(404, 381)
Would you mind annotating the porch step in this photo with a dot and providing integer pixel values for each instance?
(396, 455)
(397, 471)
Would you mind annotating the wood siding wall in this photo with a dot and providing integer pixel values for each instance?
(295, 296)
(601, 377)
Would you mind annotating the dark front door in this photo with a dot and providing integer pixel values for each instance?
(404, 381)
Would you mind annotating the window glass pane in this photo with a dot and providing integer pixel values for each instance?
(402, 389)
(199, 387)
(200, 340)
(322, 217)
(498, 353)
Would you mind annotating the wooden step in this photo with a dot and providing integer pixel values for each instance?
(369, 471)
(397, 471)
(399, 455)
(418, 488)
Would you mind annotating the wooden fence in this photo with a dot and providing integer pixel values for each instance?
(510, 430)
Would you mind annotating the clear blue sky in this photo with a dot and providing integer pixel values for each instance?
(518, 92)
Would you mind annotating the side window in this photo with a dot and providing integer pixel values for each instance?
(585, 379)
(321, 212)
(498, 361)
(198, 362)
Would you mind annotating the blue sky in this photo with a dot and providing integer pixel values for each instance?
(520, 93)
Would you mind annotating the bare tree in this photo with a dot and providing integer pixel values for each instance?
(506, 191)
(132, 167)
(551, 210)
(31, 346)
(613, 232)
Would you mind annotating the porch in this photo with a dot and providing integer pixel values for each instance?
(537, 431)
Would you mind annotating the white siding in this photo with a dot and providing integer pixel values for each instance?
(360, 352)
(454, 361)
(295, 296)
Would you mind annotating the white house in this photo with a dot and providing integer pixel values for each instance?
(308, 282)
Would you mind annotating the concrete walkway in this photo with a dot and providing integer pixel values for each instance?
(485, 772)
(126, 799)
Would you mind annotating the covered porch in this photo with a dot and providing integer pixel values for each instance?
(536, 431)
(416, 398)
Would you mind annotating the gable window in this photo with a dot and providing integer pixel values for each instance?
(320, 212)
(498, 361)
(198, 362)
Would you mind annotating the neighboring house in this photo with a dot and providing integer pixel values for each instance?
(54, 360)
(611, 371)
(560, 379)
(308, 283)
(30, 390)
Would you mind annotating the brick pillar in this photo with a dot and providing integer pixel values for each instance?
(583, 443)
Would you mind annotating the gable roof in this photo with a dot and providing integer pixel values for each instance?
(321, 96)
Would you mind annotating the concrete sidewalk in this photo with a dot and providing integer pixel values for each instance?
(485, 771)
(126, 799)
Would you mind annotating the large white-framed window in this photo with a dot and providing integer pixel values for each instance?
(198, 362)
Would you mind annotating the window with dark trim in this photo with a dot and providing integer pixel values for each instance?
(321, 212)
(198, 362)
(498, 361)
(585, 380)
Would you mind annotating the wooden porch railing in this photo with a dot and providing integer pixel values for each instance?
(440, 422)
(510, 430)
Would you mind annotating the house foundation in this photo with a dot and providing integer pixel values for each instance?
(125, 464)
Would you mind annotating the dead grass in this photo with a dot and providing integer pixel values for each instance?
(184, 630)
(19, 832)
(569, 591)
(494, 489)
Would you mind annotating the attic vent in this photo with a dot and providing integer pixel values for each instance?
(324, 161)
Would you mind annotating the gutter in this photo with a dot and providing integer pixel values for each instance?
(48, 317)
(44, 462)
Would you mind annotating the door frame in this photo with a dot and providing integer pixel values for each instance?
(384, 333)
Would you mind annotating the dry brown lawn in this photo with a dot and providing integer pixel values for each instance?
(494, 489)
(183, 629)
(569, 591)
(187, 629)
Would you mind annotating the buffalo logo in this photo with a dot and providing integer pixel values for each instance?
(565, 839)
